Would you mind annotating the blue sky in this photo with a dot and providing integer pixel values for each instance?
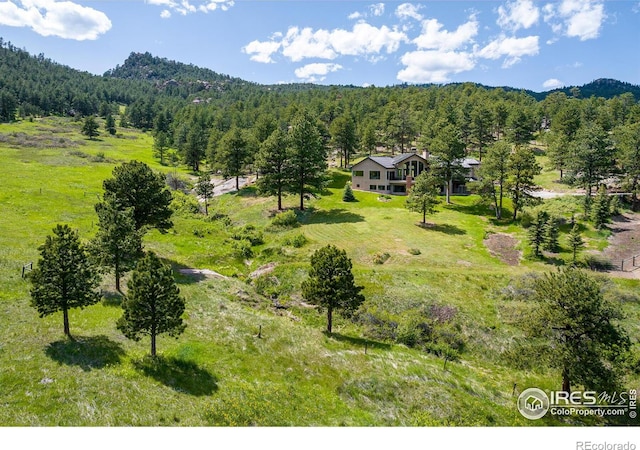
(537, 45)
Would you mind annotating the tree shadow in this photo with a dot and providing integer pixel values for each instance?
(88, 353)
(246, 191)
(336, 215)
(443, 228)
(476, 209)
(339, 179)
(178, 374)
(361, 342)
(112, 298)
(184, 274)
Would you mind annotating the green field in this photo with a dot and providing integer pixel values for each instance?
(219, 373)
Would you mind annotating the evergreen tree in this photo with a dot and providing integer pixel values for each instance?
(153, 304)
(520, 131)
(522, 168)
(575, 242)
(537, 232)
(574, 318)
(494, 172)
(600, 211)
(160, 145)
(195, 147)
(272, 161)
(233, 154)
(135, 185)
(423, 196)
(63, 277)
(368, 139)
(204, 189)
(552, 235)
(110, 124)
(90, 127)
(344, 138)
(448, 151)
(331, 283)
(347, 195)
(627, 140)
(592, 159)
(481, 121)
(307, 156)
(117, 244)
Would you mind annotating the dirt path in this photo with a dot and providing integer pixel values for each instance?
(624, 243)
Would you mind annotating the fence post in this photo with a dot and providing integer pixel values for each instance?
(622, 265)
(634, 261)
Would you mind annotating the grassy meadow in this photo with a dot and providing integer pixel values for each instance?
(254, 353)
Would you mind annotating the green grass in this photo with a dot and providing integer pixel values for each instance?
(219, 372)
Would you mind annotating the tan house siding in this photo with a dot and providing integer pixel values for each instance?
(365, 182)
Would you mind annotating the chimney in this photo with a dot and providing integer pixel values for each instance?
(425, 154)
(409, 183)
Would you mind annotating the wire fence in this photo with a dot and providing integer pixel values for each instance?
(629, 264)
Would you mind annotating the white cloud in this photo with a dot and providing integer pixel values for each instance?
(300, 44)
(63, 19)
(184, 7)
(552, 83)
(576, 18)
(377, 9)
(434, 66)
(315, 72)
(354, 16)
(408, 11)
(518, 14)
(261, 51)
(434, 37)
(297, 44)
(511, 48)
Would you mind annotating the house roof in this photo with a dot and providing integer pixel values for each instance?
(468, 163)
(390, 163)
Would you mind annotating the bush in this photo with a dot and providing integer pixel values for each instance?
(248, 233)
(183, 204)
(267, 285)
(296, 241)
(381, 258)
(287, 219)
(242, 248)
(597, 263)
(414, 251)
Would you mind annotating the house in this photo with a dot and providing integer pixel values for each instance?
(395, 175)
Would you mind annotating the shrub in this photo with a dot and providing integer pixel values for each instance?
(267, 285)
(248, 233)
(242, 248)
(381, 258)
(296, 241)
(287, 219)
(183, 204)
(414, 251)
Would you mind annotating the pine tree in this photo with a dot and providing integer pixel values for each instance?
(272, 161)
(347, 195)
(135, 185)
(600, 211)
(117, 244)
(64, 277)
(552, 235)
(307, 156)
(521, 170)
(90, 127)
(153, 304)
(575, 242)
(331, 283)
(232, 154)
(537, 233)
(110, 124)
(204, 189)
(423, 196)
(581, 326)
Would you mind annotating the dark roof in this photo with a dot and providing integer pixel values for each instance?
(384, 161)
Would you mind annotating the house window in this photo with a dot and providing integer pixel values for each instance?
(372, 187)
(390, 175)
(381, 188)
(358, 173)
(374, 175)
